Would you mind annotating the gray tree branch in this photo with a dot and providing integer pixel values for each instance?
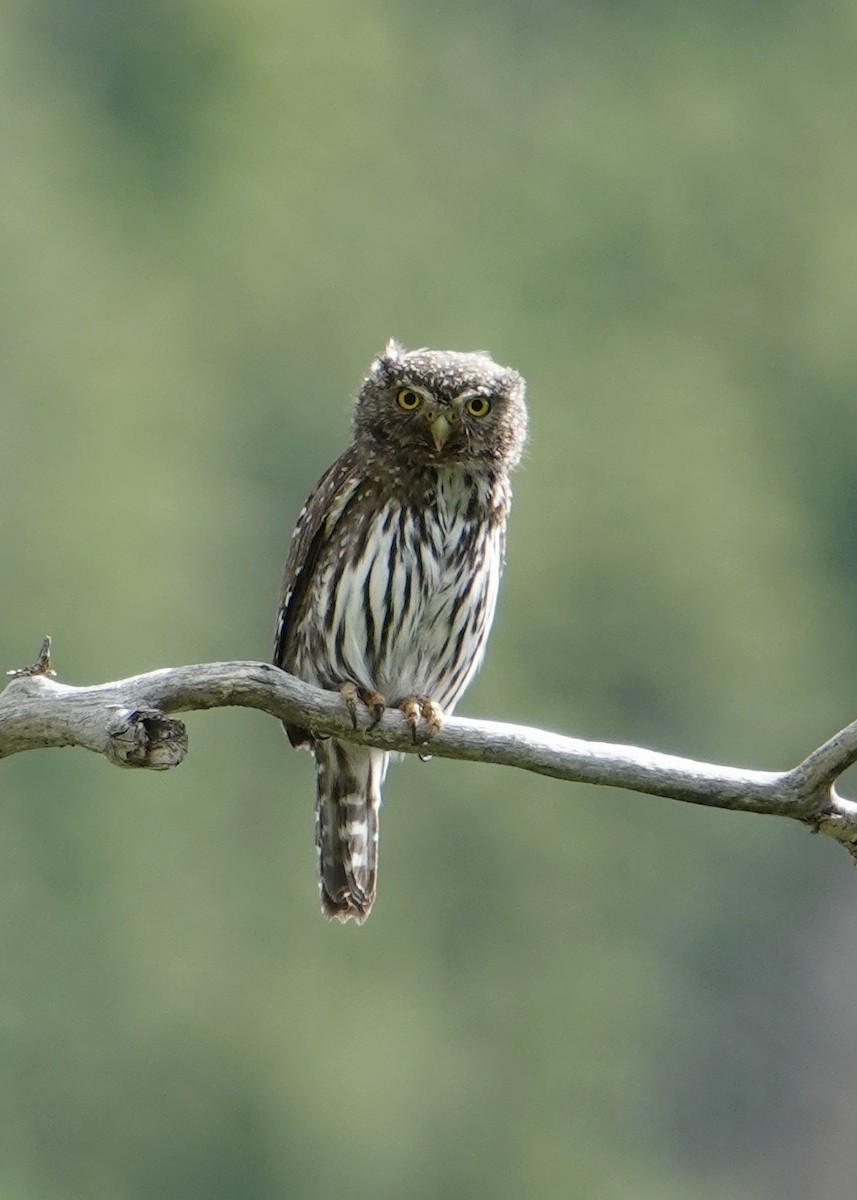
(129, 722)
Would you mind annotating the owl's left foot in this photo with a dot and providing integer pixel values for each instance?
(416, 707)
(374, 701)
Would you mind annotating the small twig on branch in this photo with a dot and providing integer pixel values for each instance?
(42, 665)
(127, 721)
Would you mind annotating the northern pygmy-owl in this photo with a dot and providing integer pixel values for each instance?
(389, 588)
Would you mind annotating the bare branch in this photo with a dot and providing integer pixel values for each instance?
(128, 722)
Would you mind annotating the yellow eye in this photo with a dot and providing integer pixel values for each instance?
(408, 399)
(478, 406)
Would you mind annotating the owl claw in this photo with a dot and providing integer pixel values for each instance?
(416, 707)
(376, 704)
(348, 692)
(374, 701)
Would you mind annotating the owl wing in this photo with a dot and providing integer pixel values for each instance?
(317, 520)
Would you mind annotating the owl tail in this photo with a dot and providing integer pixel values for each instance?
(348, 780)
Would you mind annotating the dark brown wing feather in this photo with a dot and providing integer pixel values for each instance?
(311, 532)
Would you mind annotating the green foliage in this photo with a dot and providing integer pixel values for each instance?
(213, 215)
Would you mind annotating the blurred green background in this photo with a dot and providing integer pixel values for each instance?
(212, 216)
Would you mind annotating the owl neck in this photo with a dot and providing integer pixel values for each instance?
(481, 492)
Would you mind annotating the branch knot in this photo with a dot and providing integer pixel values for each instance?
(144, 737)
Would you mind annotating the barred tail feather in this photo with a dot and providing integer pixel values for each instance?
(348, 780)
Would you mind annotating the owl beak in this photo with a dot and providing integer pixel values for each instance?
(440, 429)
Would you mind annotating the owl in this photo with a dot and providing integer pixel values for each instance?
(391, 580)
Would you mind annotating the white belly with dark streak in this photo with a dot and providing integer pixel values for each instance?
(420, 629)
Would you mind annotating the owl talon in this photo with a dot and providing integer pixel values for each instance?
(416, 707)
(348, 692)
(376, 704)
(433, 717)
(411, 709)
(374, 701)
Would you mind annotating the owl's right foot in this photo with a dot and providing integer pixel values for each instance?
(374, 701)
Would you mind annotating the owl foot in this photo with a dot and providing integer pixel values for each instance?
(415, 707)
(374, 701)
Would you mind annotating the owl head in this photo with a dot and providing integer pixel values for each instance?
(441, 407)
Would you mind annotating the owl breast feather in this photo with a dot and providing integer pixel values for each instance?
(405, 595)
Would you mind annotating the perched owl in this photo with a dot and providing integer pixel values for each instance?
(389, 588)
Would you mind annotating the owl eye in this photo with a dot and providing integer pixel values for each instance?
(478, 406)
(408, 399)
